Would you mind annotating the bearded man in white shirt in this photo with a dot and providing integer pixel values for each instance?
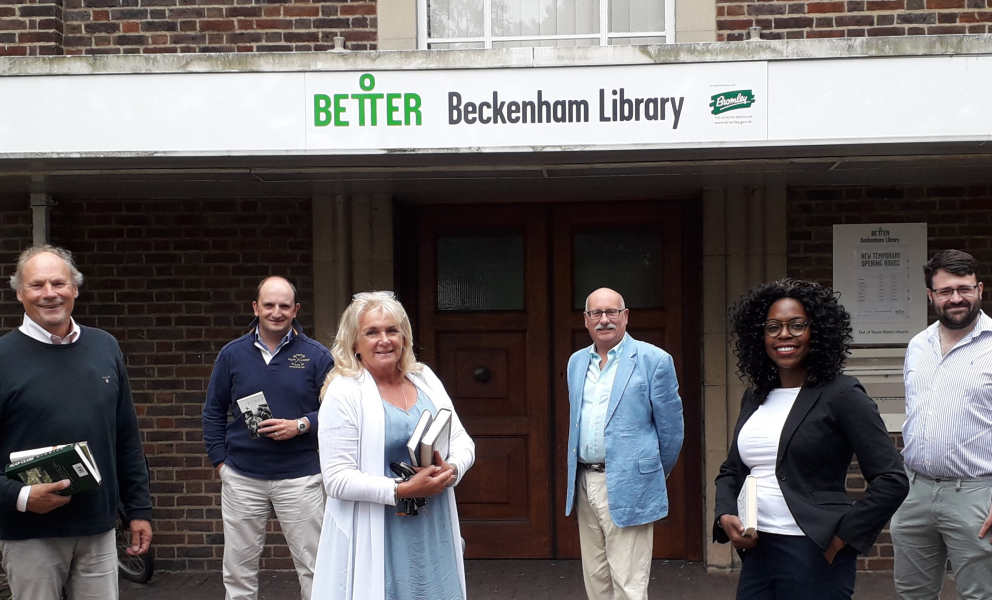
(948, 440)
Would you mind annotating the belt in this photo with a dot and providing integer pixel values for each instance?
(915, 474)
(957, 480)
(597, 467)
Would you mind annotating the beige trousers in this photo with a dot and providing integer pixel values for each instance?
(38, 568)
(246, 506)
(616, 561)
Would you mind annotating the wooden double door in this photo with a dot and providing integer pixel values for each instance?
(499, 294)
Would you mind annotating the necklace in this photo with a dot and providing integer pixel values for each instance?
(402, 393)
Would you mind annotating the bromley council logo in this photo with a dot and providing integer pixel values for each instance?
(727, 101)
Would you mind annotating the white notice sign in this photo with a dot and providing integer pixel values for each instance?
(878, 271)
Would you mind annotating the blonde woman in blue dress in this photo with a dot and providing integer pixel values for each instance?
(373, 398)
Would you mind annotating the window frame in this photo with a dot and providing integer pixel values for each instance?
(487, 38)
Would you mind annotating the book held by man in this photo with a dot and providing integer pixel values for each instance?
(52, 464)
(254, 410)
(431, 433)
(747, 505)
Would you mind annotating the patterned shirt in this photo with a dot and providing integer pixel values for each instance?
(948, 430)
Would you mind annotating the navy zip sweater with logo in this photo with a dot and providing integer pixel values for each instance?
(61, 394)
(291, 383)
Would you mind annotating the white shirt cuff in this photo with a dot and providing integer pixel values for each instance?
(22, 498)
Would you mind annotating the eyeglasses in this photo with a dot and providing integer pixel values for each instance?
(612, 313)
(391, 332)
(965, 291)
(381, 295)
(796, 327)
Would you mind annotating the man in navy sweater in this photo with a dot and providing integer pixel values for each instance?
(61, 383)
(277, 467)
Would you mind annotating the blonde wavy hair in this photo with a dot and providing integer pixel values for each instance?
(346, 360)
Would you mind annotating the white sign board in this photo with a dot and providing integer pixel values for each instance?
(568, 108)
(522, 109)
(878, 269)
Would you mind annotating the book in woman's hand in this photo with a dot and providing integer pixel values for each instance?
(413, 444)
(747, 505)
(436, 438)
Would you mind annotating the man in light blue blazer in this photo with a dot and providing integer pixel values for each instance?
(624, 437)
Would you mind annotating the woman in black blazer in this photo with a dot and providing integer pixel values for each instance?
(801, 422)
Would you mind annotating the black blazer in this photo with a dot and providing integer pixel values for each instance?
(828, 424)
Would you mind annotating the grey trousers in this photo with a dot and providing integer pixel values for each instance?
(39, 568)
(941, 520)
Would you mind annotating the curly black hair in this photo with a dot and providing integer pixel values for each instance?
(830, 332)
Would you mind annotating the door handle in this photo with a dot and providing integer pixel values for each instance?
(482, 374)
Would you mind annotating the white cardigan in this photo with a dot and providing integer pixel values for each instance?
(351, 433)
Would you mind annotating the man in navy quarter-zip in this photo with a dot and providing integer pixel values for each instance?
(278, 468)
(61, 383)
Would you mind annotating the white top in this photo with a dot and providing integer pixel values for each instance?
(757, 444)
(948, 430)
(350, 561)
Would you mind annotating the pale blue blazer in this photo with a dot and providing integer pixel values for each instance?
(643, 435)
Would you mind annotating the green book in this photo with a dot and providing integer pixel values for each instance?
(55, 463)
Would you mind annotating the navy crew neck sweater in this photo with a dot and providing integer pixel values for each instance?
(61, 394)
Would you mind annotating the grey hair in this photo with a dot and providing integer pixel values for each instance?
(16, 280)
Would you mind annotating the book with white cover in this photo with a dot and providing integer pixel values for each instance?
(436, 438)
(747, 505)
(413, 444)
(254, 410)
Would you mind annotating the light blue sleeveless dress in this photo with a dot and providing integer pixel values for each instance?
(421, 563)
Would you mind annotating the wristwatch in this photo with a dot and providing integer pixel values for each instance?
(301, 426)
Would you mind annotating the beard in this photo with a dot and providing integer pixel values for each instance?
(960, 322)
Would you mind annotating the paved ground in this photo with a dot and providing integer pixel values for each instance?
(509, 580)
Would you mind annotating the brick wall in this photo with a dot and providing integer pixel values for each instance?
(956, 217)
(171, 26)
(784, 19)
(31, 28)
(173, 281)
(15, 235)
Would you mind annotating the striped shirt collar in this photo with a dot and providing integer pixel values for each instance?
(285, 340)
(983, 324)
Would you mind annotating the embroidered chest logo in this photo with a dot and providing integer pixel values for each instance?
(106, 379)
(298, 361)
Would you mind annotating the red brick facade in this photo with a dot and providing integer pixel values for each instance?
(784, 19)
(173, 281)
(70, 27)
(956, 217)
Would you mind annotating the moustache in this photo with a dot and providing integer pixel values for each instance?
(609, 326)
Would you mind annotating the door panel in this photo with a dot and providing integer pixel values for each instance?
(483, 326)
(500, 292)
(645, 267)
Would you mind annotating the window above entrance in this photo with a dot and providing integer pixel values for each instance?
(467, 24)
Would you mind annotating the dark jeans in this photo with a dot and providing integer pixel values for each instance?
(787, 567)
